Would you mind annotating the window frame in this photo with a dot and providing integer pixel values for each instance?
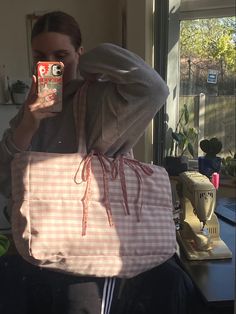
(167, 17)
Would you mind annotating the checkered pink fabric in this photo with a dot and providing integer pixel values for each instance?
(91, 215)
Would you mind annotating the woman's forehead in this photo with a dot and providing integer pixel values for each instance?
(50, 41)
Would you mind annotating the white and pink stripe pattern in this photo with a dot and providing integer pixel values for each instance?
(64, 222)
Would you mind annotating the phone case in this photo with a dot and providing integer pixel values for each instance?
(50, 75)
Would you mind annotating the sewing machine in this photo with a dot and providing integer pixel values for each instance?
(199, 235)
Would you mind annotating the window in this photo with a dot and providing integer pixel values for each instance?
(203, 79)
(207, 78)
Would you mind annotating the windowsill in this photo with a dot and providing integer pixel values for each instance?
(228, 182)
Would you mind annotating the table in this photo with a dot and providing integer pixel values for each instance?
(215, 279)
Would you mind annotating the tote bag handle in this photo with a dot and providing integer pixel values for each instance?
(79, 110)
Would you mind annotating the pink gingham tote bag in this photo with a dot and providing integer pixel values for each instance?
(87, 214)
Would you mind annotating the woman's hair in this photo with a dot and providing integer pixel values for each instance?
(58, 22)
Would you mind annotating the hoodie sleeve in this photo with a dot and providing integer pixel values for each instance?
(7, 152)
(125, 95)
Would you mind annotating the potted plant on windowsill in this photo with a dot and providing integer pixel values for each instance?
(183, 139)
(210, 163)
(18, 92)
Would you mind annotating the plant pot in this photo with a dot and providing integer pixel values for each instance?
(229, 168)
(208, 166)
(18, 98)
(175, 165)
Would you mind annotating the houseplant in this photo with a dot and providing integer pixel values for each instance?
(210, 163)
(182, 145)
(18, 92)
(229, 165)
(4, 244)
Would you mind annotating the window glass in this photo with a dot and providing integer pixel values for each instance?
(207, 79)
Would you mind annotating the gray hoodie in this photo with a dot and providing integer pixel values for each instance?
(124, 96)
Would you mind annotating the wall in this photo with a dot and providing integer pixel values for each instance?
(98, 21)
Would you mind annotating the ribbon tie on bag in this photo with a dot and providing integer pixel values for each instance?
(111, 169)
(85, 177)
(136, 166)
(86, 172)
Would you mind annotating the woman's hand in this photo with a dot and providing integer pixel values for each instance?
(36, 108)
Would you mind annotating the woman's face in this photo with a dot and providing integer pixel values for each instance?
(52, 46)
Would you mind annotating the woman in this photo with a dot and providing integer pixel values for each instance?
(123, 97)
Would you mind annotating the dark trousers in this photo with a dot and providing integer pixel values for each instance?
(25, 289)
(165, 289)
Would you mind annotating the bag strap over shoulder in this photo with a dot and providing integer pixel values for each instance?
(79, 109)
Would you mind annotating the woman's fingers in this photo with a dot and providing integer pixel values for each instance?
(44, 100)
(38, 104)
(47, 95)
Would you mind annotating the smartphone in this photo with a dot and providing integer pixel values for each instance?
(50, 76)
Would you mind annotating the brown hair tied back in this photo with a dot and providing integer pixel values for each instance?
(58, 22)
